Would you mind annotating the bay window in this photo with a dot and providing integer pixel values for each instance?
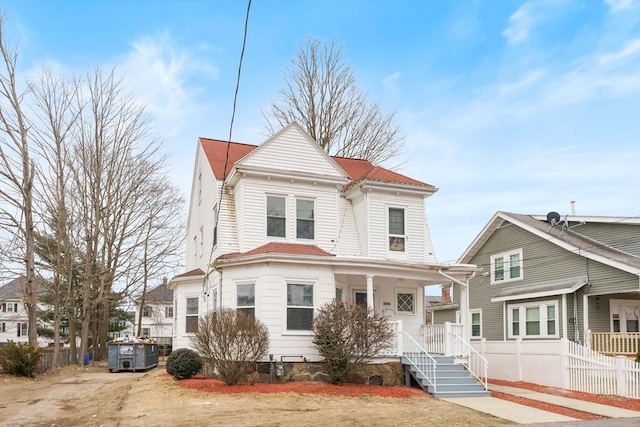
(299, 307)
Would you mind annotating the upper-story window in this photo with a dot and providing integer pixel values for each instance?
(397, 236)
(9, 307)
(168, 312)
(507, 266)
(146, 311)
(216, 220)
(276, 216)
(305, 222)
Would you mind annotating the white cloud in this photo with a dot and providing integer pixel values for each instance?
(164, 77)
(521, 22)
(390, 83)
(616, 6)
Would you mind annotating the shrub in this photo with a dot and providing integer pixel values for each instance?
(183, 363)
(232, 341)
(346, 334)
(20, 359)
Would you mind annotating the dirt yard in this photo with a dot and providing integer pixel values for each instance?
(94, 397)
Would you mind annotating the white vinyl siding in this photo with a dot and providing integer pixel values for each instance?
(292, 151)
(253, 204)
(414, 226)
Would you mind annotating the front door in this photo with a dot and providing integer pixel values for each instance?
(624, 316)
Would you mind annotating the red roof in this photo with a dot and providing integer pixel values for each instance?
(356, 169)
(282, 248)
(196, 272)
(216, 151)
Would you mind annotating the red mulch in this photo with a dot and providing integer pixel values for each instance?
(211, 385)
(547, 406)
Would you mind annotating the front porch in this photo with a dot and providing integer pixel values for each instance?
(614, 343)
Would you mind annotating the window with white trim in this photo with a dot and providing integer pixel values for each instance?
(276, 216)
(476, 323)
(3, 327)
(624, 315)
(305, 219)
(506, 266)
(396, 224)
(533, 320)
(246, 299)
(338, 297)
(360, 298)
(23, 329)
(168, 312)
(10, 307)
(299, 307)
(405, 302)
(146, 311)
(216, 219)
(191, 317)
(146, 332)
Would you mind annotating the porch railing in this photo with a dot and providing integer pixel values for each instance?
(438, 339)
(417, 356)
(475, 363)
(614, 342)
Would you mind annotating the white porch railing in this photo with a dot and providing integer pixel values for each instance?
(475, 363)
(395, 347)
(438, 339)
(417, 356)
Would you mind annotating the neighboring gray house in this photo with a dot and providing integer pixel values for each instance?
(574, 277)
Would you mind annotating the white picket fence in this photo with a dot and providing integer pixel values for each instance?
(593, 372)
(561, 363)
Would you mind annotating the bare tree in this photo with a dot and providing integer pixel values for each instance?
(321, 94)
(17, 171)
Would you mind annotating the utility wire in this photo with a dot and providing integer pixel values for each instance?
(226, 159)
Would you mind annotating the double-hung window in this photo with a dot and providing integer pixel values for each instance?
(305, 219)
(299, 307)
(476, 323)
(23, 329)
(146, 332)
(506, 266)
(191, 318)
(246, 299)
(397, 236)
(533, 320)
(276, 216)
(168, 312)
(146, 311)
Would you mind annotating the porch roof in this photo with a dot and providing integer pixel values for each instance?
(538, 290)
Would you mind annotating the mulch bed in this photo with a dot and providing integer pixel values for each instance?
(211, 385)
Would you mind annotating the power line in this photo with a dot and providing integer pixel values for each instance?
(226, 159)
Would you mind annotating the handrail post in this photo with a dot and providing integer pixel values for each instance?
(447, 339)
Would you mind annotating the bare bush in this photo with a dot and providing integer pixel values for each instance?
(347, 334)
(232, 341)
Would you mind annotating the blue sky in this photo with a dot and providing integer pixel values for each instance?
(519, 106)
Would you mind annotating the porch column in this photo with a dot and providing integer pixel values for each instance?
(370, 291)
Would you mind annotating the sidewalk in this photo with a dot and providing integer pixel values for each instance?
(522, 414)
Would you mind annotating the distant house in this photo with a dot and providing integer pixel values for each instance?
(157, 314)
(296, 229)
(554, 298)
(14, 320)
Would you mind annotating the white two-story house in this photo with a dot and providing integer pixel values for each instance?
(14, 319)
(296, 229)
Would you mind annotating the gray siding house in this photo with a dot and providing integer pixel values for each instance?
(574, 277)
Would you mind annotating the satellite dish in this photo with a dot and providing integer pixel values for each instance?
(553, 218)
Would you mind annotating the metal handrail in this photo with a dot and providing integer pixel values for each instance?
(471, 366)
(418, 357)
